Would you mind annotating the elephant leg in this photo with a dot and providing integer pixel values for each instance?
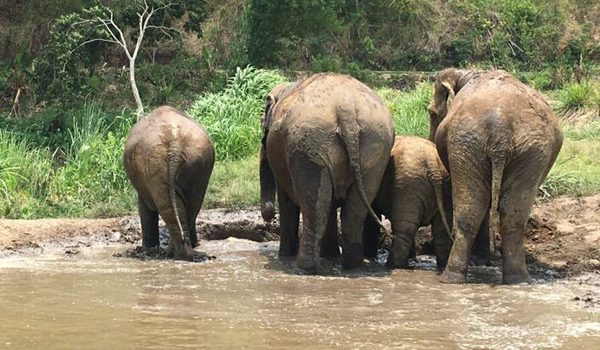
(354, 213)
(481, 245)
(315, 194)
(441, 242)
(289, 219)
(370, 237)
(517, 201)
(180, 245)
(331, 247)
(470, 201)
(193, 209)
(403, 243)
(193, 232)
(149, 221)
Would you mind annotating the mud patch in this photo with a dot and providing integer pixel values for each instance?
(158, 253)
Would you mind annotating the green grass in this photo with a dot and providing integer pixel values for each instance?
(25, 173)
(576, 171)
(232, 116)
(234, 184)
(409, 109)
(76, 170)
(578, 97)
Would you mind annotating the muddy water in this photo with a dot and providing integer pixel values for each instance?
(248, 299)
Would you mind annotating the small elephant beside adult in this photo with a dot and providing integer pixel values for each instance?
(498, 139)
(410, 196)
(326, 143)
(169, 158)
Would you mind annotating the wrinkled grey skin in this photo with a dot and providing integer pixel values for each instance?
(326, 143)
(410, 196)
(498, 138)
(168, 159)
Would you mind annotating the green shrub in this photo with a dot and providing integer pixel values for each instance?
(232, 116)
(409, 109)
(577, 96)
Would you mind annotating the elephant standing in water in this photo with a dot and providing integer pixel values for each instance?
(168, 159)
(498, 138)
(326, 143)
(410, 196)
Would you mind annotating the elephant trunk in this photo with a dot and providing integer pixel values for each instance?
(437, 189)
(267, 187)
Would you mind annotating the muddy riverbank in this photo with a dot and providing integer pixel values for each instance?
(562, 239)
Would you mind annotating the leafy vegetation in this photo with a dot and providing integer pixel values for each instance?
(60, 148)
(232, 117)
(75, 168)
(409, 109)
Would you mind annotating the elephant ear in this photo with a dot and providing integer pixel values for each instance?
(266, 123)
(450, 91)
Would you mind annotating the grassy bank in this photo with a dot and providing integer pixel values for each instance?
(74, 169)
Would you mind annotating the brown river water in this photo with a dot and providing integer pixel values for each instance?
(248, 299)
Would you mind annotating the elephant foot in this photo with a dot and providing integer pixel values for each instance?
(441, 265)
(516, 278)
(186, 252)
(352, 256)
(450, 277)
(393, 263)
(288, 248)
(305, 266)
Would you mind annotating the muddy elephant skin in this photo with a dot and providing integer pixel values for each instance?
(168, 159)
(326, 143)
(498, 139)
(410, 196)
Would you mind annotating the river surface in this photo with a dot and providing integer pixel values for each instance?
(248, 299)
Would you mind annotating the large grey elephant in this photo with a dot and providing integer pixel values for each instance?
(326, 143)
(168, 159)
(410, 196)
(498, 138)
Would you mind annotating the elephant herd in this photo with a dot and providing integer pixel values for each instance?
(328, 142)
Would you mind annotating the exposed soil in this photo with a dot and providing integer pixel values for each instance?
(563, 235)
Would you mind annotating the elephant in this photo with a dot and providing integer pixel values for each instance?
(168, 159)
(498, 139)
(326, 143)
(410, 196)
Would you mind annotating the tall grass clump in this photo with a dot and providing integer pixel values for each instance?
(409, 109)
(24, 174)
(232, 117)
(234, 184)
(92, 181)
(580, 96)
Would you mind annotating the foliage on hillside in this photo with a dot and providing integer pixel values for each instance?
(43, 60)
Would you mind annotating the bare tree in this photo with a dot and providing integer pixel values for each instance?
(116, 36)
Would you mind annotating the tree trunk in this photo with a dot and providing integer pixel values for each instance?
(136, 93)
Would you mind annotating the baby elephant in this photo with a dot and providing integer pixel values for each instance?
(168, 159)
(410, 196)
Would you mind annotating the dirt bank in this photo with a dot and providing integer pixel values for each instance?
(562, 235)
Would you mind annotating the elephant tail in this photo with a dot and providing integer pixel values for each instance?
(174, 161)
(497, 173)
(350, 132)
(437, 175)
(437, 190)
